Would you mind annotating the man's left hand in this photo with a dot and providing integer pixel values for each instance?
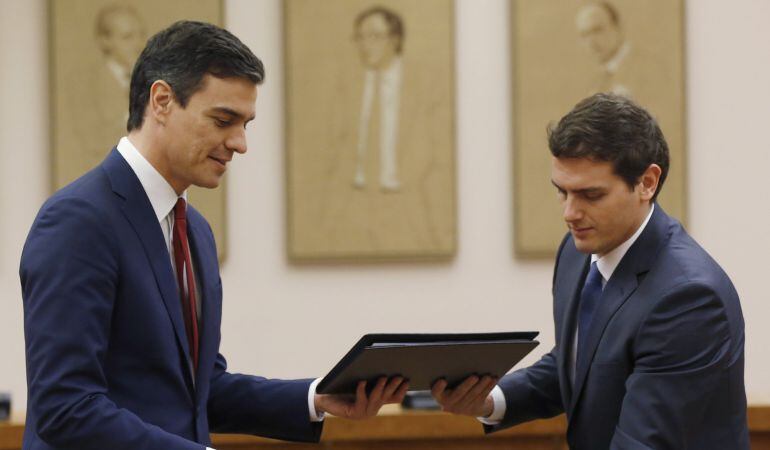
(385, 391)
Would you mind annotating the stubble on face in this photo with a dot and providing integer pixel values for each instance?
(204, 136)
(599, 208)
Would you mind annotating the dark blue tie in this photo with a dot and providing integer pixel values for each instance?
(589, 298)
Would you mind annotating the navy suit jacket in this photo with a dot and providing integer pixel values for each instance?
(107, 356)
(664, 364)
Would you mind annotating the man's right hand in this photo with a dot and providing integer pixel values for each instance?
(469, 398)
(363, 406)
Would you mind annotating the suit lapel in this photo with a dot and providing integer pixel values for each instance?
(572, 287)
(615, 293)
(138, 211)
(624, 281)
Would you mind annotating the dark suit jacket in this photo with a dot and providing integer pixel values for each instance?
(665, 352)
(107, 356)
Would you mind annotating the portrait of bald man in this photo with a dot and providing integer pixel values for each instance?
(91, 96)
(601, 31)
(564, 52)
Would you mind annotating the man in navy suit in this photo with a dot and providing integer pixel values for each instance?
(120, 279)
(649, 329)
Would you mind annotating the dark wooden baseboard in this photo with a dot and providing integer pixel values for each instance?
(421, 431)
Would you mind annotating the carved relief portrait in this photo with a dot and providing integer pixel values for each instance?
(94, 44)
(370, 131)
(566, 51)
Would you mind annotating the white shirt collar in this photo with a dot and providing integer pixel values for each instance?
(390, 74)
(162, 196)
(613, 64)
(609, 262)
(121, 74)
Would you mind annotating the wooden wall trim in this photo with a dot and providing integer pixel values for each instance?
(409, 426)
(759, 419)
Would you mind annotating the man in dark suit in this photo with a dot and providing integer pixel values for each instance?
(649, 329)
(120, 279)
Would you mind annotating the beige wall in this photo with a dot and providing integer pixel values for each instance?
(287, 321)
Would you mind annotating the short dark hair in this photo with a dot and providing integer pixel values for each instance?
(610, 127)
(395, 24)
(182, 55)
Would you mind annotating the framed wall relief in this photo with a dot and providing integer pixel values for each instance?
(370, 129)
(94, 44)
(566, 51)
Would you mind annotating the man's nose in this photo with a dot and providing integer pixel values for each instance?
(572, 210)
(237, 141)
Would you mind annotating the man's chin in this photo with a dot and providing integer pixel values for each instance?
(583, 246)
(208, 183)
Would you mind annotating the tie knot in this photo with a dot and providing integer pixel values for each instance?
(180, 209)
(594, 276)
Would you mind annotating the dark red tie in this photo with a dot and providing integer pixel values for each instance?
(184, 271)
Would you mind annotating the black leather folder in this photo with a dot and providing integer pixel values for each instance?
(425, 358)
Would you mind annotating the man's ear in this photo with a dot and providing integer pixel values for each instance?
(161, 101)
(648, 182)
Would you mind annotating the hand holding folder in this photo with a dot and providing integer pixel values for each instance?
(365, 404)
(470, 398)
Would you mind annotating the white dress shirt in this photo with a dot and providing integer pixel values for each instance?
(606, 265)
(163, 198)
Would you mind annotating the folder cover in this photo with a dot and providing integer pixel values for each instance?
(425, 358)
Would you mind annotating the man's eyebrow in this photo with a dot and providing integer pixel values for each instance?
(231, 112)
(588, 190)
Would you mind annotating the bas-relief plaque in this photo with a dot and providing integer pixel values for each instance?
(370, 129)
(565, 51)
(94, 44)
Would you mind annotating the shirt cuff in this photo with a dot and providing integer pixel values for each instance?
(314, 416)
(498, 408)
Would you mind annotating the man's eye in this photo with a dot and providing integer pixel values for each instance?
(593, 196)
(561, 194)
(221, 123)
